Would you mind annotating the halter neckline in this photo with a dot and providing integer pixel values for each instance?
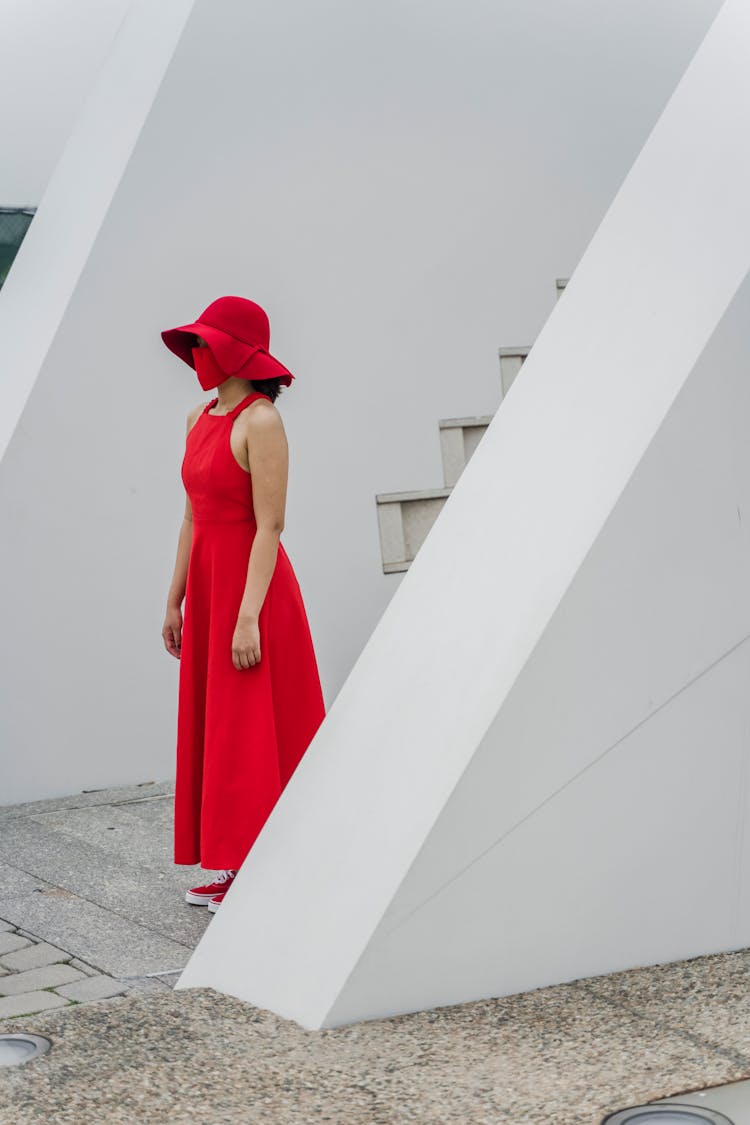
(235, 409)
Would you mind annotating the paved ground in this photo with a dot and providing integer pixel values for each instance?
(88, 888)
(36, 976)
(557, 1056)
(89, 882)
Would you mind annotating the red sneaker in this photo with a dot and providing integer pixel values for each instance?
(216, 902)
(203, 895)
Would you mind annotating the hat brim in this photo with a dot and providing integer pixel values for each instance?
(244, 361)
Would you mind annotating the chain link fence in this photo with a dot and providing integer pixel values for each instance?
(14, 222)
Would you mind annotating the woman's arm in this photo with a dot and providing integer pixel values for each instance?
(268, 457)
(172, 628)
(179, 578)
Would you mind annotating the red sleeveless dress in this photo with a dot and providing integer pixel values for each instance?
(240, 733)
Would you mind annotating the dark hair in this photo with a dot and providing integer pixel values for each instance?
(270, 387)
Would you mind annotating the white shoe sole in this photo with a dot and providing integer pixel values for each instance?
(214, 906)
(199, 900)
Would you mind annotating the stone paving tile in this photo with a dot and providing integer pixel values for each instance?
(92, 988)
(159, 812)
(49, 976)
(84, 800)
(5, 926)
(89, 970)
(28, 1003)
(160, 790)
(146, 984)
(14, 881)
(10, 942)
(27, 933)
(33, 957)
(98, 936)
(143, 841)
(150, 898)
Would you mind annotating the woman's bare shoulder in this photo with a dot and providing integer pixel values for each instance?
(262, 414)
(194, 414)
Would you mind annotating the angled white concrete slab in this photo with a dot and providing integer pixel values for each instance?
(543, 744)
(70, 475)
(79, 193)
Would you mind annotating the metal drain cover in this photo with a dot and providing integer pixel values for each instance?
(673, 1114)
(17, 1049)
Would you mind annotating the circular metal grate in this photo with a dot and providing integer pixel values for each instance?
(673, 1114)
(17, 1049)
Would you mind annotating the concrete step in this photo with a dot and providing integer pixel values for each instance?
(511, 362)
(404, 518)
(459, 437)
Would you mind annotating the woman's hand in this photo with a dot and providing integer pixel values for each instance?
(172, 630)
(246, 643)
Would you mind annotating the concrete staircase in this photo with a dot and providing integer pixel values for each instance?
(404, 518)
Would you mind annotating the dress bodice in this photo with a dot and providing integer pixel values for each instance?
(220, 490)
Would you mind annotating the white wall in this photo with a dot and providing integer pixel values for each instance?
(398, 184)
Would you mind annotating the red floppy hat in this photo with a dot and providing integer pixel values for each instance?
(238, 333)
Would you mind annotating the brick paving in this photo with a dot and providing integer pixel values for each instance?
(92, 906)
(36, 976)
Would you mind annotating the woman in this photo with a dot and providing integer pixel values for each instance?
(250, 698)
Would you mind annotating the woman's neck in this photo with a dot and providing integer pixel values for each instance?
(232, 391)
